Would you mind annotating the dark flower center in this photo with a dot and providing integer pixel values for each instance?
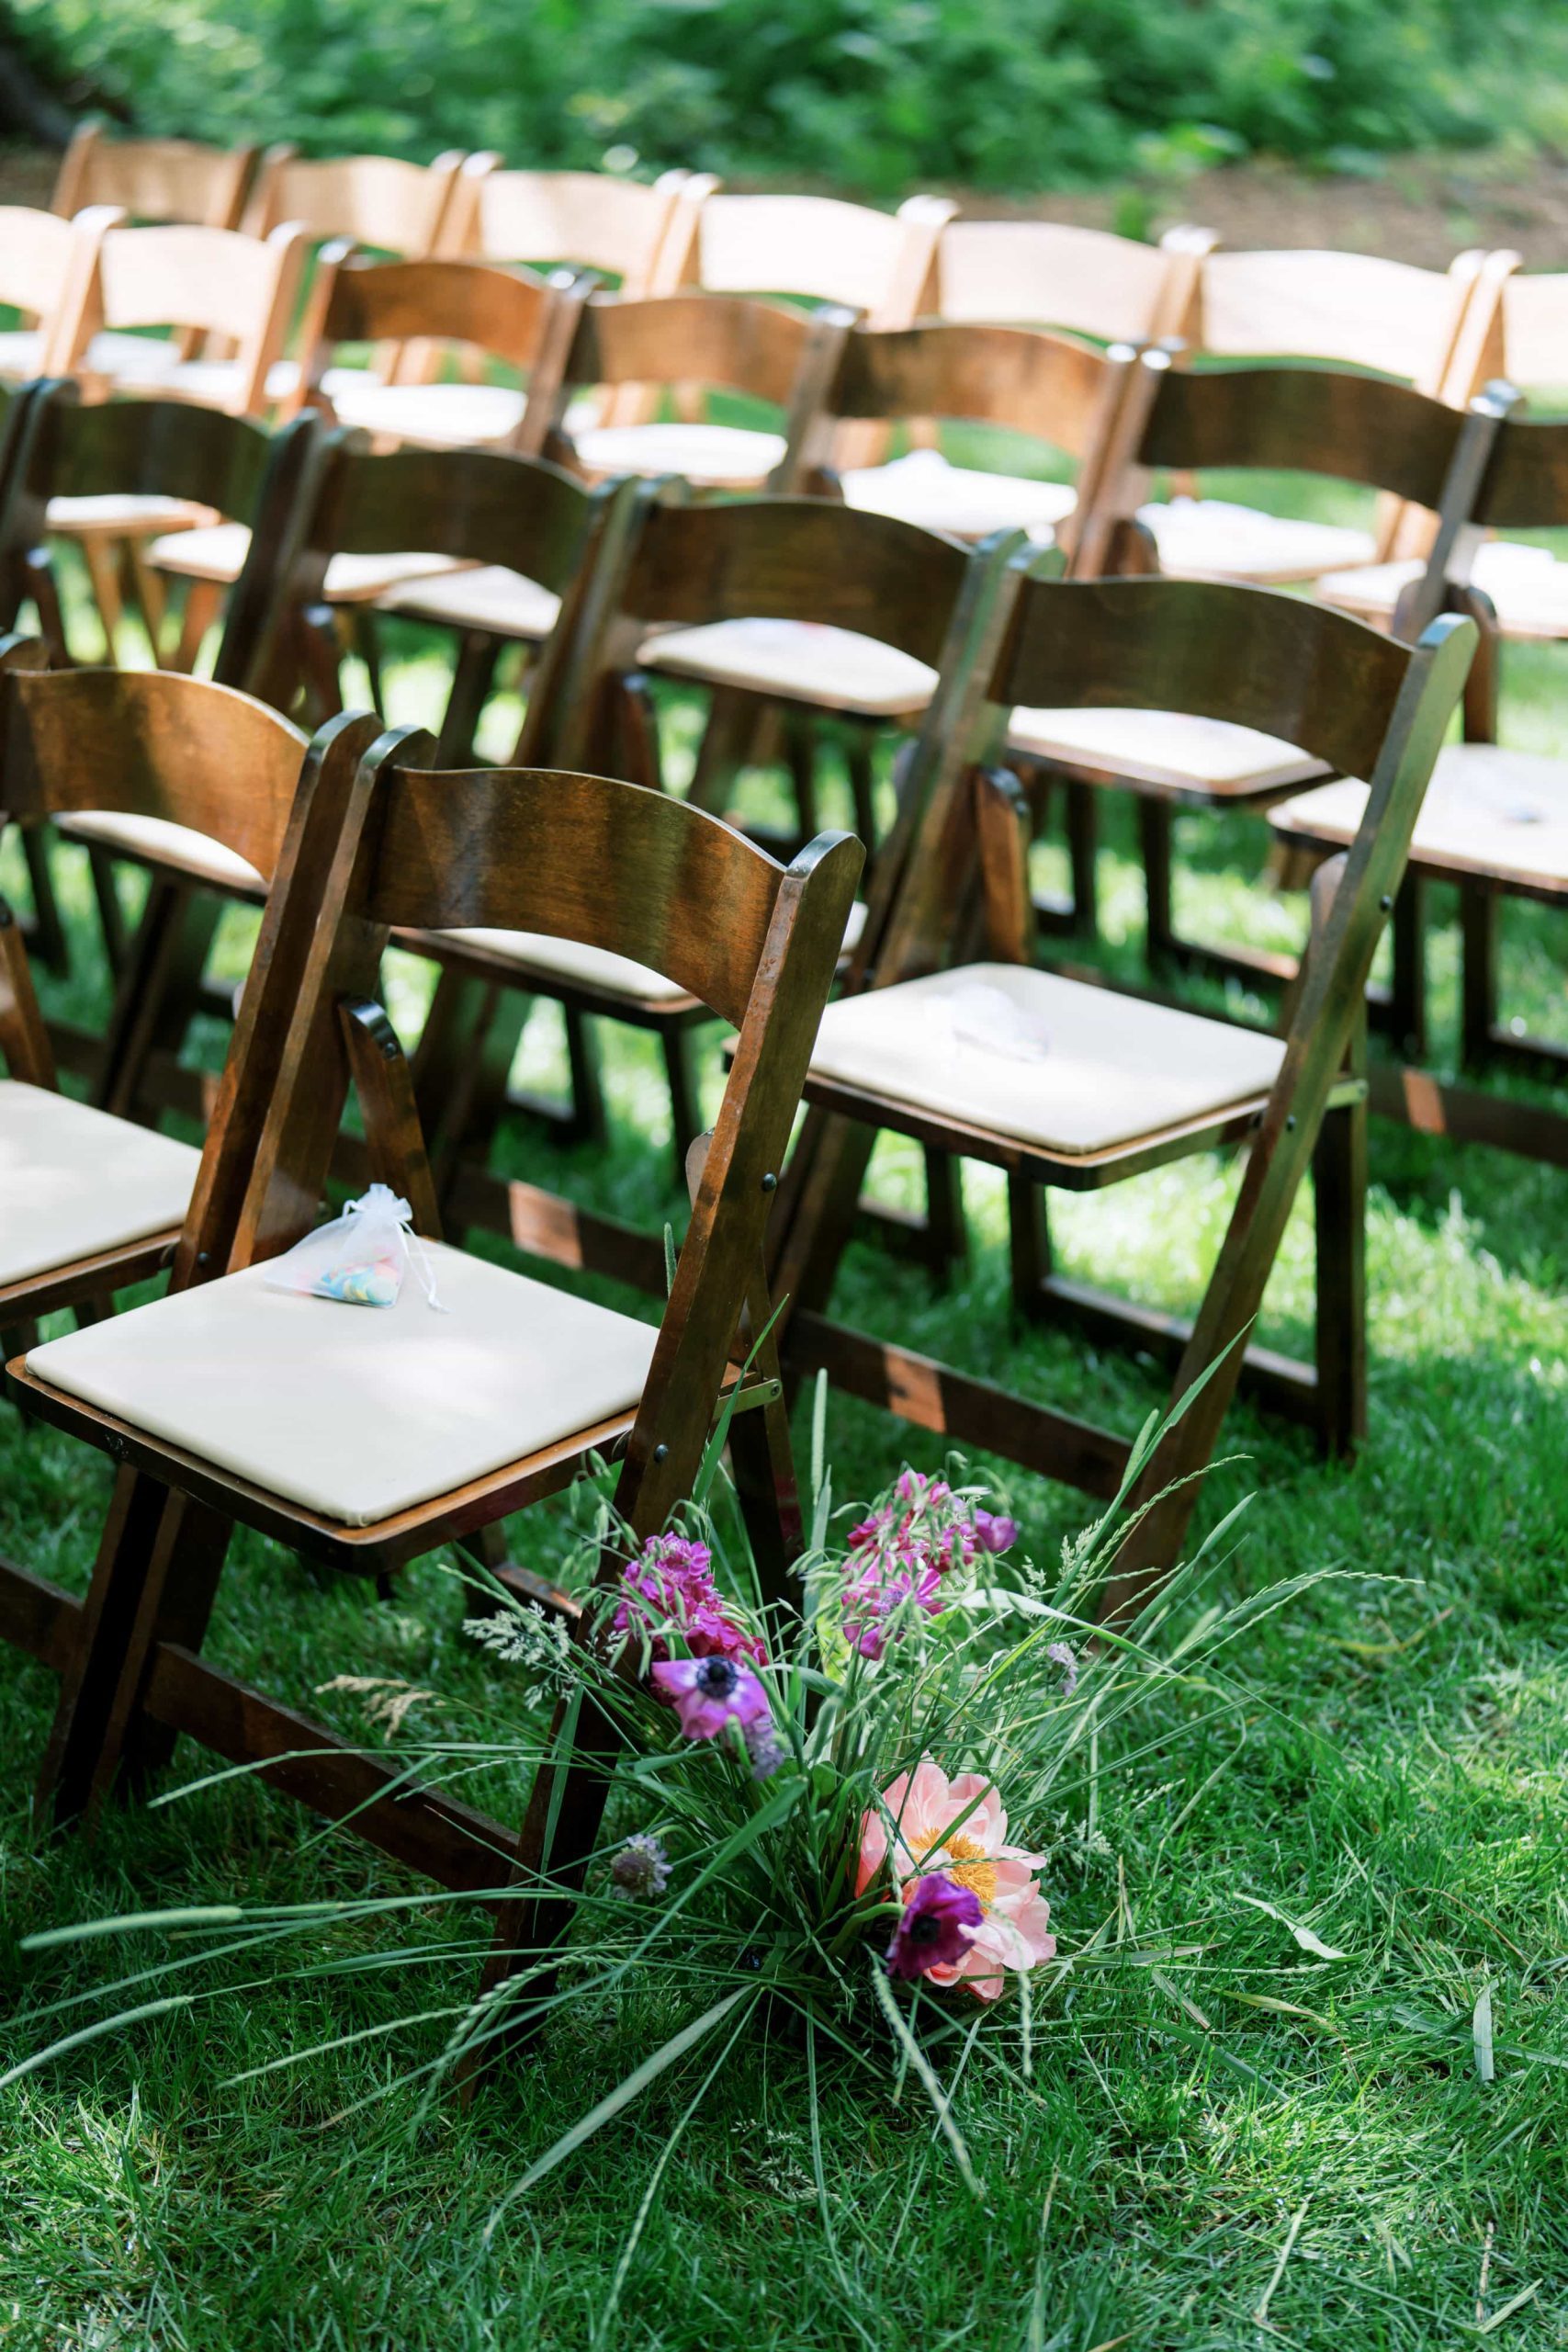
(716, 1677)
(925, 1929)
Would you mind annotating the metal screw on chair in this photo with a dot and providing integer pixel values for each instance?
(770, 1182)
(1386, 902)
(662, 1454)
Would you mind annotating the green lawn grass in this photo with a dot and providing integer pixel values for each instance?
(1388, 1766)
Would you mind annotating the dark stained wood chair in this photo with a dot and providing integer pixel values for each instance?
(1494, 824)
(891, 603)
(1423, 455)
(335, 523)
(366, 1440)
(733, 344)
(89, 1202)
(1069, 1085)
(140, 457)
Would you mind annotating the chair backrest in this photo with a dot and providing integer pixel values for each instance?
(1050, 274)
(48, 272)
(153, 179)
(772, 557)
(1355, 428)
(822, 249)
(734, 342)
(376, 200)
(211, 282)
(1353, 308)
(1525, 486)
(148, 743)
(1533, 350)
(583, 858)
(525, 320)
(136, 448)
(594, 219)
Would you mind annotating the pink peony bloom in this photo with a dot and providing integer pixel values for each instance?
(930, 1836)
(708, 1693)
(939, 1922)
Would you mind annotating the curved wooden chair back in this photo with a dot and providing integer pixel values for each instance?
(153, 179)
(1382, 434)
(148, 743)
(1525, 484)
(1051, 274)
(49, 272)
(589, 220)
(140, 448)
(1357, 309)
(236, 290)
(379, 201)
(823, 250)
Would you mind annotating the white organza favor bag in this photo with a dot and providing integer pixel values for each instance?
(360, 1257)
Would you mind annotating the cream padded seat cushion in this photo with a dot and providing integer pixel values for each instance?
(359, 1412)
(438, 416)
(726, 454)
(484, 596)
(1211, 539)
(576, 963)
(74, 1181)
(156, 837)
(802, 661)
(217, 552)
(1488, 810)
(1528, 585)
(21, 348)
(127, 516)
(1171, 749)
(1069, 1067)
(923, 488)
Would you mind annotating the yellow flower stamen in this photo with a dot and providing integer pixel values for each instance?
(970, 1867)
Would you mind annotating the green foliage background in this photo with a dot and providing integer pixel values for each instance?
(871, 96)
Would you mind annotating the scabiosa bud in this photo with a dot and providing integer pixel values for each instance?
(937, 1926)
(1060, 1655)
(765, 1748)
(641, 1872)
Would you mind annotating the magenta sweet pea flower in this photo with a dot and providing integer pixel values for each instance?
(871, 1599)
(670, 1584)
(939, 1924)
(708, 1693)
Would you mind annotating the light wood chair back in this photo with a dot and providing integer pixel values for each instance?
(48, 272)
(1051, 274)
(1357, 309)
(821, 249)
(590, 219)
(153, 179)
(237, 289)
(379, 201)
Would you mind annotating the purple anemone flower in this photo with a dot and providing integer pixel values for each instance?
(937, 1926)
(994, 1532)
(708, 1693)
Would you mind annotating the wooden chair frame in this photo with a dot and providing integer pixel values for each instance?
(49, 272)
(379, 841)
(1262, 659)
(662, 563)
(1522, 486)
(588, 219)
(1422, 454)
(146, 744)
(153, 179)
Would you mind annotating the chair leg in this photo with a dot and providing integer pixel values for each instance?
(800, 757)
(731, 722)
(460, 1071)
(1154, 828)
(204, 601)
(1083, 852)
(112, 914)
(947, 1236)
(367, 642)
(1407, 995)
(102, 559)
(148, 597)
(1339, 1187)
(1478, 909)
(685, 1113)
(49, 932)
(471, 690)
(588, 1122)
(158, 992)
(1029, 1242)
(862, 784)
(154, 1580)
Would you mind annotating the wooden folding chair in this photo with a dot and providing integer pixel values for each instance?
(1357, 310)
(89, 1202)
(893, 602)
(366, 1440)
(212, 282)
(732, 344)
(618, 228)
(335, 524)
(1494, 824)
(1086, 281)
(48, 272)
(1061, 1083)
(154, 179)
(1421, 455)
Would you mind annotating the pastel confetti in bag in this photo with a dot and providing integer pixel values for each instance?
(360, 1257)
